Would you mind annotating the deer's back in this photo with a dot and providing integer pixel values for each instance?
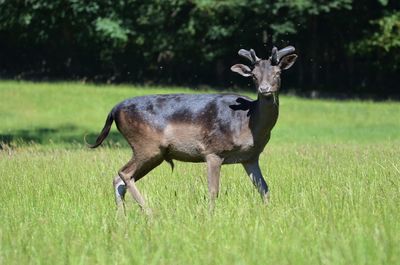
(186, 127)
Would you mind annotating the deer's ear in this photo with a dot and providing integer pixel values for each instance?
(241, 69)
(287, 61)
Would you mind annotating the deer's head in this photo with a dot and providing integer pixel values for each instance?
(266, 73)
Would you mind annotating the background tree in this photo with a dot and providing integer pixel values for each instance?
(344, 45)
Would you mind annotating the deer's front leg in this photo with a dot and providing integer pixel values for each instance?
(254, 172)
(214, 163)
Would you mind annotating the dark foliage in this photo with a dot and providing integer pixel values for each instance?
(344, 45)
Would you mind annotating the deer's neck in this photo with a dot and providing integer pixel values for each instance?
(265, 115)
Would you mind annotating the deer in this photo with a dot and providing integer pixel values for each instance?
(217, 129)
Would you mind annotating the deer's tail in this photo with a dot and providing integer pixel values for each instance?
(104, 133)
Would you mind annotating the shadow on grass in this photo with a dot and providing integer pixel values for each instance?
(63, 135)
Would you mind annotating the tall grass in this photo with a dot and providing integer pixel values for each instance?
(333, 169)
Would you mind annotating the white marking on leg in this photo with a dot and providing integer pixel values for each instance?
(119, 189)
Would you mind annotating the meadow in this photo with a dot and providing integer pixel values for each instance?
(333, 168)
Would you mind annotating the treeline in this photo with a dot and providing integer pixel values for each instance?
(343, 45)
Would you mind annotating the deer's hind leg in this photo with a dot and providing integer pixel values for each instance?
(134, 170)
(119, 192)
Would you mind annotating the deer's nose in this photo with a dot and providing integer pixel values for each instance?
(265, 88)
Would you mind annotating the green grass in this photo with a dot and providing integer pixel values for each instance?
(333, 169)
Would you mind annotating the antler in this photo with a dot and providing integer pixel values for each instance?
(250, 55)
(276, 55)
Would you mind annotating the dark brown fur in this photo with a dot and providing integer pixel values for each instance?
(216, 129)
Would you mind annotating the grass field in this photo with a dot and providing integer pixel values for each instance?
(333, 169)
